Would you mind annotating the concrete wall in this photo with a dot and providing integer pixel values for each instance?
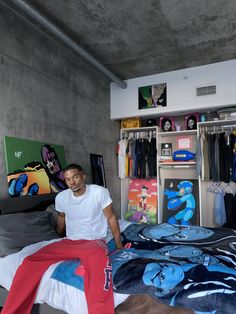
(49, 94)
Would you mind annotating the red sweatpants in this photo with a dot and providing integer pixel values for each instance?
(97, 279)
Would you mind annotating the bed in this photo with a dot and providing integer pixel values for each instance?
(168, 269)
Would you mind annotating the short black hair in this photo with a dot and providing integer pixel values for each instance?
(163, 122)
(74, 166)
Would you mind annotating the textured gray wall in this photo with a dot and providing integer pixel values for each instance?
(49, 94)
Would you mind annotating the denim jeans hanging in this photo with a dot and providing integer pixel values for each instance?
(219, 209)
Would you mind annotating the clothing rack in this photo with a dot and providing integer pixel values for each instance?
(138, 134)
(217, 126)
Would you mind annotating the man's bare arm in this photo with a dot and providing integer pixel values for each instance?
(61, 224)
(114, 225)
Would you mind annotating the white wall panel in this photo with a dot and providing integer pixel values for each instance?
(181, 91)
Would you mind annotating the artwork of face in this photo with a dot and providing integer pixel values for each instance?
(50, 159)
(166, 125)
(191, 122)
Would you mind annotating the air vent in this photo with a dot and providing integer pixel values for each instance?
(206, 90)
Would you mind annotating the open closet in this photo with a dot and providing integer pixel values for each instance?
(216, 168)
(213, 170)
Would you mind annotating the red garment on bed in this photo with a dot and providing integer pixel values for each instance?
(97, 280)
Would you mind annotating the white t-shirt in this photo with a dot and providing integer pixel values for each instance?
(84, 215)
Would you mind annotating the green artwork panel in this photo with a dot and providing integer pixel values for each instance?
(33, 167)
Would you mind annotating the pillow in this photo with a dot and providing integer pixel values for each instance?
(21, 229)
(52, 215)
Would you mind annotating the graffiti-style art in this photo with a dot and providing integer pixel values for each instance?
(33, 167)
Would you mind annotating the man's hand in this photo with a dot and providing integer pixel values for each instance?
(126, 246)
(114, 225)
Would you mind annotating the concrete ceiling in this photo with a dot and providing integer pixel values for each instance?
(135, 38)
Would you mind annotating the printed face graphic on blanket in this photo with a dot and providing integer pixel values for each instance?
(163, 276)
(175, 233)
(186, 266)
(178, 284)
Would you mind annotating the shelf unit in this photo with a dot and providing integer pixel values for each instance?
(169, 169)
(180, 169)
(125, 182)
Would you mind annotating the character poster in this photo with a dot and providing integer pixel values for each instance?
(181, 205)
(33, 167)
(152, 96)
(142, 201)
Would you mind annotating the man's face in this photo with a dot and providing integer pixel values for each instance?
(75, 180)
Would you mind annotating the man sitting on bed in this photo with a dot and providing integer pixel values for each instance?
(84, 211)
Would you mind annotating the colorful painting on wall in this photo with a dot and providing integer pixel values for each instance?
(33, 167)
(181, 204)
(142, 201)
(152, 96)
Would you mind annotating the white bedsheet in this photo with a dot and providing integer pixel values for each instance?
(55, 293)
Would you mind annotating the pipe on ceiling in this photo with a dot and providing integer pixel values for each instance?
(38, 19)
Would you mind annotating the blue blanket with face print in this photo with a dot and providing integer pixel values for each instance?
(188, 266)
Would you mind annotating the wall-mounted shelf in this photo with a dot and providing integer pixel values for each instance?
(177, 164)
(177, 133)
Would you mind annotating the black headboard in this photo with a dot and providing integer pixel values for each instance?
(25, 203)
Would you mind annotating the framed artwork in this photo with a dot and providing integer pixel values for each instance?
(181, 201)
(152, 96)
(184, 142)
(98, 171)
(191, 121)
(142, 201)
(33, 167)
(167, 124)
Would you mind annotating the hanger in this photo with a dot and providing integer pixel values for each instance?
(216, 187)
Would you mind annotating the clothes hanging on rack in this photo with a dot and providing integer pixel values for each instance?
(218, 155)
(219, 203)
(122, 158)
(224, 203)
(205, 160)
(214, 175)
(230, 205)
(137, 155)
(152, 159)
(218, 164)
